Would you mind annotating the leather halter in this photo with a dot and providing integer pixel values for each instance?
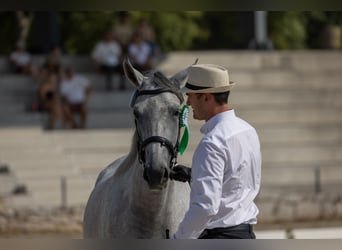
(173, 149)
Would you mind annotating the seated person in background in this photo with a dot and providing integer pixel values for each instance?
(107, 55)
(140, 53)
(48, 94)
(75, 91)
(20, 59)
(53, 62)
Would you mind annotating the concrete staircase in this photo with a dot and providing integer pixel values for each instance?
(294, 99)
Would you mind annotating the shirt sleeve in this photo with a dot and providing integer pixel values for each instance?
(206, 190)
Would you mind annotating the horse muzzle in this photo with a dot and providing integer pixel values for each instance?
(156, 178)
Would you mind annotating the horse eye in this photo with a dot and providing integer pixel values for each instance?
(177, 112)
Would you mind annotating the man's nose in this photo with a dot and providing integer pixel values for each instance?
(188, 101)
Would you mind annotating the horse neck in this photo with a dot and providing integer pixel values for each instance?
(146, 205)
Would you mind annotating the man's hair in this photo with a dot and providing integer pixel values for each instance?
(221, 98)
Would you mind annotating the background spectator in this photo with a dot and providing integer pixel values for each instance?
(53, 62)
(75, 91)
(147, 32)
(123, 30)
(107, 55)
(140, 53)
(48, 94)
(20, 59)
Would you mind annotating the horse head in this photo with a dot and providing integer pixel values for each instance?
(156, 107)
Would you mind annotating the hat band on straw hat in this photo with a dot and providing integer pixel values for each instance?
(194, 87)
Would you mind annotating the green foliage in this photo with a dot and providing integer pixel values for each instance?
(317, 21)
(174, 30)
(287, 30)
(9, 32)
(229, 29)
(81, 30)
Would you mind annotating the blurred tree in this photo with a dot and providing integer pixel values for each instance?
(287, 30)
(81, 30)
(44, 32)
(324, 29)
(176, 30)
(9, 32)
(228, 30)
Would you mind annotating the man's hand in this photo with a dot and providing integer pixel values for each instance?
(180, 173)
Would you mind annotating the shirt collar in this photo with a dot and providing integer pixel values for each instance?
(211, 123)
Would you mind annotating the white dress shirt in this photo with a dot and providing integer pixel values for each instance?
(226, 173)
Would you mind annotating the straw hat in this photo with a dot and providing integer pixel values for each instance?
(207, 78)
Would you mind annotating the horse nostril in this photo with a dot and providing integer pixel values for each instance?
(146, 177)
(166, 173)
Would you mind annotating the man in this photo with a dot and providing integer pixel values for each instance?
(226, 166)
(75, 91)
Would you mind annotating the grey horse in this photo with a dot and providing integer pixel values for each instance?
(133, 197)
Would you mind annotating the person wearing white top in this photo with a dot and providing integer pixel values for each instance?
(75, 91)
(107, 54)
(140, 53)
(226, 166)
(21, 60)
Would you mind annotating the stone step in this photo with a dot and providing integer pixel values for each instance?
(22, 119)
(300, 60)
(119, 119)
(109, 100)
(280, 99)
(240, 98)
(122, 118)
(307, 116)
(54, 182)
(309, 61)
(95, 139)
(12, 108)
(94, 163)
(296, 155)
(296, 117)
(21, 155)
(43, 173)
(287, 80)
(18, 83)
(54, 199)
(304, 135)
(271, 136)
(280, 79)
(295, 175)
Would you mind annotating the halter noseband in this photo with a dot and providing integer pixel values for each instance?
(162, 140)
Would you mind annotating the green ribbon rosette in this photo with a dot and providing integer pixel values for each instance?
(184, 124)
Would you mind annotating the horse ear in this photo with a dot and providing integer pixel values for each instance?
(133, 75)
(180, 78)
